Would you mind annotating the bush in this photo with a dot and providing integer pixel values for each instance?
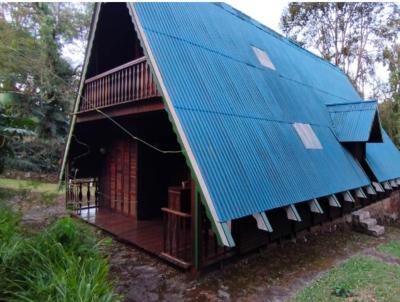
(62, 263)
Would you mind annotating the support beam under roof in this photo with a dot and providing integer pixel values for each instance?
(387, 185)
(371, 190)
(315, 206)
(263, 222)
(378, 187)
(348, 197)
(333, 201)
(360, 193)
(292, 214)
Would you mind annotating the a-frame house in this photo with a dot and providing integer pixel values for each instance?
(198, 134)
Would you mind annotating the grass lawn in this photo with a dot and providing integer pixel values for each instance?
(391, 248)
(360, 278)
(32, 185)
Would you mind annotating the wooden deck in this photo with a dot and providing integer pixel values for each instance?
(147, 235)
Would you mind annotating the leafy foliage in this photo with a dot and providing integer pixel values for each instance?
(62, 263)
(354, 36)
(350, 35)
(390, 108)
(41, 83)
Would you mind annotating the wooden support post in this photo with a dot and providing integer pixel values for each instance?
(387, 186)
(360, 193)
(292, 214)
(196, 229)
(378, 187)
(333, 201)
(348, 197)
(315, 206)
(371, 190)
(263, 222)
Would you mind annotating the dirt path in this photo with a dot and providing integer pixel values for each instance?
(273, 274)
(270, 275)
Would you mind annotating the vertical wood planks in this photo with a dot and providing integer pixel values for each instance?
(130, 82)
(120, 176)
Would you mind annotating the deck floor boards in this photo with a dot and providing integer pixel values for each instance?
(147, 234)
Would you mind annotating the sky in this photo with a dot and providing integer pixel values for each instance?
(266, 12)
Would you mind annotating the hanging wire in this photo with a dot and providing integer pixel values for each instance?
(137, 138)
(83, 144)
(133, 136)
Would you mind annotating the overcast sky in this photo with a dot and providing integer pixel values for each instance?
(266, 12)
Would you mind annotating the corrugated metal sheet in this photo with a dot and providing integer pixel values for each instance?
(238, 115)
(352, 122)
(384, 159)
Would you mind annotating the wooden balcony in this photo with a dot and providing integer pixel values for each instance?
(126, 83)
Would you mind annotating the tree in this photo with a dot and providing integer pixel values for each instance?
(33, 70)
(390, 108)
(350, 35)
(11, 128)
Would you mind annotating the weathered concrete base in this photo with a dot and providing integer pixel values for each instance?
(386, 211)
(364, 223)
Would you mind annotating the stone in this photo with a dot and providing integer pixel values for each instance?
(360, 215)
(368, 223)
(376, 231)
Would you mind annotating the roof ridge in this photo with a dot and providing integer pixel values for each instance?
(270, 31)
(352, 103)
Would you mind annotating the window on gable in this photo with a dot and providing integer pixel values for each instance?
(263, 58)
(307, 136)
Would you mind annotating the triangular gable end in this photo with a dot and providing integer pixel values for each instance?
(375, 135)
(91, 68)
(356, 122)
(224, 235)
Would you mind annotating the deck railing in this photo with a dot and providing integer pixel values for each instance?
(177, 244)
(82, 194)
(129, 82)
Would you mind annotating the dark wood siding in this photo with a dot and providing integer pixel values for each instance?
(119, 177)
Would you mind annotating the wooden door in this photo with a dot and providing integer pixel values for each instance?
(120, 176)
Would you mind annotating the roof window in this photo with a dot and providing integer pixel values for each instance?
(307, 136)
(263, 58)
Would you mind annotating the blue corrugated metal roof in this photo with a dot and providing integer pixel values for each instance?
(383, 159)
(238, 115)
(352, 122)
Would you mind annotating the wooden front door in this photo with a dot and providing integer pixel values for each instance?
(120, 176)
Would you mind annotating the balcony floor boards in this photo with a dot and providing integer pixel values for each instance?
(146, 234)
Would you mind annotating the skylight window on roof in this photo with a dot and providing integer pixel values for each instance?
(307, 136)
(263, 58)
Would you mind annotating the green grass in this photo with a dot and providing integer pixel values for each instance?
(61, 263)
(360, 278)
(392, 248)
(34, 186)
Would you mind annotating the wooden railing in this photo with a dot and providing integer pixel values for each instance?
(177, 244)
(129, 82)
(82, 194)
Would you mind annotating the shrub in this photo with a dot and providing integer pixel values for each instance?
(62, 263)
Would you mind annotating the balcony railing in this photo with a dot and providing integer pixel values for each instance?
(82, 194)
(177, 244)
(129, 82)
